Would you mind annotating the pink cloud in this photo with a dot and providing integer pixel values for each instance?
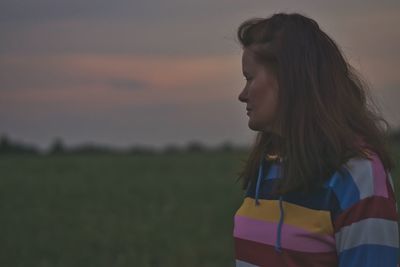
(85, 80)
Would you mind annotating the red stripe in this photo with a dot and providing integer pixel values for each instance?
(265, 255)
(370, 207)
(257, 253)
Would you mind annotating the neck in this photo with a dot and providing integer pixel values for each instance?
(275, 145)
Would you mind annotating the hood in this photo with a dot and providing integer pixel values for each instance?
(260, 179)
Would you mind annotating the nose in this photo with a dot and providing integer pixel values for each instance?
(243, 95)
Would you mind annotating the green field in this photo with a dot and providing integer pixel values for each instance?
(120, 210)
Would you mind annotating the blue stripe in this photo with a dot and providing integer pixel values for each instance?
(321, 199)
(338, 193)
(369, 256)
(344, 187)
(273, 172)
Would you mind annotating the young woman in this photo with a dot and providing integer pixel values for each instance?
(318, 188)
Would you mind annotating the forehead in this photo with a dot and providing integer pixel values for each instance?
(248, 59)
(250, 64)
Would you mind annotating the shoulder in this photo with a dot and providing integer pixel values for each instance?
(359, 179)
(366, 218)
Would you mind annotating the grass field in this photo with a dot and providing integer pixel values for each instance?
(103, 210)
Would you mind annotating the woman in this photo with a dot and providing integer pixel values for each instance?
(318, 189)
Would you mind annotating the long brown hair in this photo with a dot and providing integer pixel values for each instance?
(324, 108)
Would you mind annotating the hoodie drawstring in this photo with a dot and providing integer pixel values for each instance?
(279, 230)
(260, 177)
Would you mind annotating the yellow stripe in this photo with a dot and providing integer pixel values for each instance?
(316, 221)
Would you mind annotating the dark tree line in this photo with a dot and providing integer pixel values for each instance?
(8, 146)
(11, 147)
(57, 146)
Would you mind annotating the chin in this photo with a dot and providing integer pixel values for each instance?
(254, 126)
(260, 127)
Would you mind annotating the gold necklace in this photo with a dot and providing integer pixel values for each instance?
(273, 157)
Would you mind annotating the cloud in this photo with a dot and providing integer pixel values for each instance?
(126, 84)
(177, 27)
(99, 82)
(36, 73)
(157, 71)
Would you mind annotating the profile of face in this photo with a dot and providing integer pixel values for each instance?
(260, 93)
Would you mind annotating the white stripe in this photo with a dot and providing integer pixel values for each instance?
(368, 231)
(361, 172)
(240, 263)
(391, 181)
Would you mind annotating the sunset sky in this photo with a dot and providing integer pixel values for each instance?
(161, 72)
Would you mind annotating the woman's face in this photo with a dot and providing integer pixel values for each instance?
(260, 94)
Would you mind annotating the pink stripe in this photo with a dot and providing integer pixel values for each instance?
(379, 177)
(291, 237)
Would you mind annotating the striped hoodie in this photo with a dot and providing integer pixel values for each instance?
(351, 221)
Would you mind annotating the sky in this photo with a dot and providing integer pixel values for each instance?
(158, 73)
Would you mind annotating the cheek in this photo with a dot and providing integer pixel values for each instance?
(267, 96)
(268, 103)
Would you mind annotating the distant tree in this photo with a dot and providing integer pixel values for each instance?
(90, 148)
(57, 146)
(10, 147)
(395, 135)
(226, 146)
(171, 148)
(5, 143)
(141, 150)
(195, 146)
